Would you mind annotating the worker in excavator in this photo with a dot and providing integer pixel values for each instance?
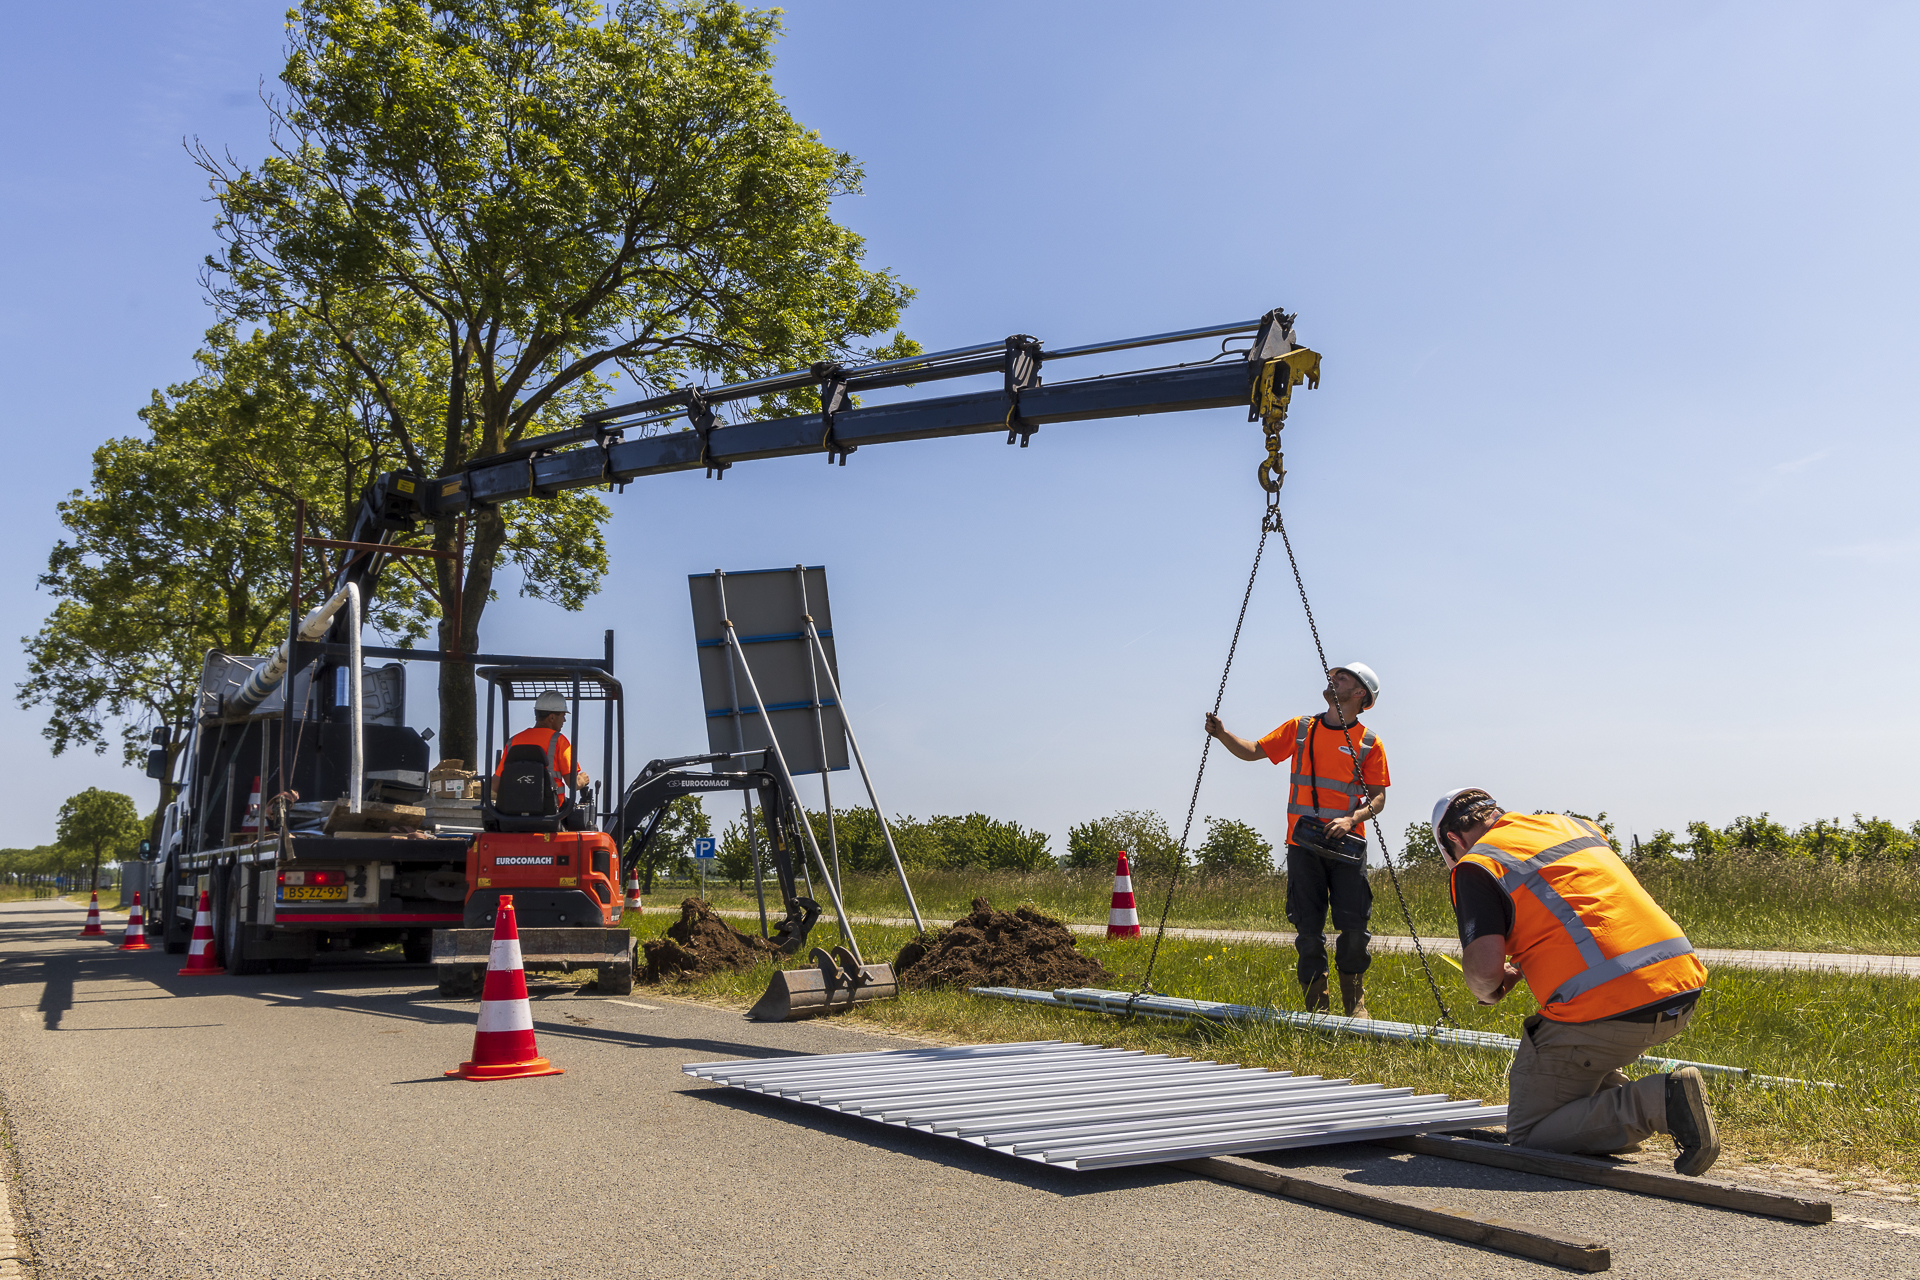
(1324, 868)
(548, 734)
(1542, 898)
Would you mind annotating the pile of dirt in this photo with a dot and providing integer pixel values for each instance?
(700, 943)
(999, 949)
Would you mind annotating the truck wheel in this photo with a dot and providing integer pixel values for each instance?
(174, 937)
(227, 927)
(614, 981)
(417, 946)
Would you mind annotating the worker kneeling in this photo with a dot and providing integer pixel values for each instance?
(1613, 973)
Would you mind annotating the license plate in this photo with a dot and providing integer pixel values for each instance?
(313, 893)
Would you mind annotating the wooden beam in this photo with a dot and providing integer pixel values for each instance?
(1621, 1177)
(1455, 1224)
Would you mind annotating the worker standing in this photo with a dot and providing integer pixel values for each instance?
(1613, 973)
(548, 734)
(1329, 786)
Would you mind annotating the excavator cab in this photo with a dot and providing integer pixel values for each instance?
(559, 876)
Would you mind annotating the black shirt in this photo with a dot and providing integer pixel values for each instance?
(1482, 909)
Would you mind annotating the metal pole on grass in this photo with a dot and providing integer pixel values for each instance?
(840, 705)
(786, 776)
(819, 727)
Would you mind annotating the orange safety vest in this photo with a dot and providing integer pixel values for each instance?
(1590, 942)
(1338, 796)
(559, 754)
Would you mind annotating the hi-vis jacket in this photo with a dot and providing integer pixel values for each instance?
(1590, 942)
(1321, 784)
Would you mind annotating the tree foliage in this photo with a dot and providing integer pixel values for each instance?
(100, 823)
(671, 849)
(1150, 846)
(548, 195)
(1234, 847)
(182, 541)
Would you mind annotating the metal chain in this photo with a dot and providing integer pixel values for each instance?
(1173, 875)
(1346, 730)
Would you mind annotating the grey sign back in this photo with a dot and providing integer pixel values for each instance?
(768, 608)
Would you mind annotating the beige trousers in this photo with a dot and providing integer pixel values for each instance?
(1566, 1091)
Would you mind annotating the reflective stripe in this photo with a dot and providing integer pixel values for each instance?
(1600, 969)
(1556, 905)
(1308, 811)
(1327, 784)
(1621, 965)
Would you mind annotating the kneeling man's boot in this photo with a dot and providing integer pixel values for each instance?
(1316, 995)
(1690, 1123)
(1353, 994)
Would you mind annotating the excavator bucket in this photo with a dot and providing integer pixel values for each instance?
(836, 981)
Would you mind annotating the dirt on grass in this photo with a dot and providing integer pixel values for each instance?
(989, 948)
(701, 943)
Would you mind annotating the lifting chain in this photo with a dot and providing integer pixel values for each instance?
(1272, 393)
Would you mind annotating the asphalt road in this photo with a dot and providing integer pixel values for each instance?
(299, 1125)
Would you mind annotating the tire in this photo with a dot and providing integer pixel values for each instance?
(173, 938)
(417, 947)
(227, 928)
(614, 982)
(461, 982)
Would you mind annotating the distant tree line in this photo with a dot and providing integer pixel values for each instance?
(1828, 841)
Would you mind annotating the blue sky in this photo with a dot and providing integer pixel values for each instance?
(1609, 476)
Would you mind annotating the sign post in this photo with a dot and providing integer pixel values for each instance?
(704, 852)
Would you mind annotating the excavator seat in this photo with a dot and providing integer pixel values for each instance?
(523, 797)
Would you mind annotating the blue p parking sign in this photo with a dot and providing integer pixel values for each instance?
(703, 847)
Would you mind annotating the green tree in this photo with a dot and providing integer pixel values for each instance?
(1662, 847)
(1233, 846)
(182, 541)
(1418, 847)
(1150, 846)
(671, 848)
(99, 822)
(555, 194)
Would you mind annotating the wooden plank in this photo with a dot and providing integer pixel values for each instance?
(1621, 1177)
(1455, 1224)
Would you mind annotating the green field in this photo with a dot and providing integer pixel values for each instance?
(1773, 905)
(1860, 1033)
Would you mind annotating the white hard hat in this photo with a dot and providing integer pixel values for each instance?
(549, 701)
(1440, 811)
(1364, 674)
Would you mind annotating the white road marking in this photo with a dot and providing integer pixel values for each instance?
(650, 1008)
(1878, 1224)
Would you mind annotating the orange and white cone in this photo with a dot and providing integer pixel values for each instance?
(93, 929)
(200, 950)
(136, 939)
(633, 893)
(503, 1047)
(1122, 920)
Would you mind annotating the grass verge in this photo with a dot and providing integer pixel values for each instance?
(1768, 905)
(1861, 1033)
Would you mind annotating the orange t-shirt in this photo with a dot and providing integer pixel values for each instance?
(559, 754)
(1330, 762)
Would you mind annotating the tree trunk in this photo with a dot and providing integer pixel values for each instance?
(459, 731)
(93, 881)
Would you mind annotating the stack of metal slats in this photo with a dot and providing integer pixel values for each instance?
(1079, 1106)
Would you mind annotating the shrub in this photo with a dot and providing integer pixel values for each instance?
(1141, 832)
(1233, 846)
(1418, 847)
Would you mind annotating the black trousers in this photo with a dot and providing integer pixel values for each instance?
(1313, 884)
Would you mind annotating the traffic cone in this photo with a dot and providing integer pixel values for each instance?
(1122, 920)
(200, 951)
(503, 1047)
(633, 893)
(136, 939)
(93, 929)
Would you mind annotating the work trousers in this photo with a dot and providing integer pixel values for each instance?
(1566, 1091)
(1314, 883)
